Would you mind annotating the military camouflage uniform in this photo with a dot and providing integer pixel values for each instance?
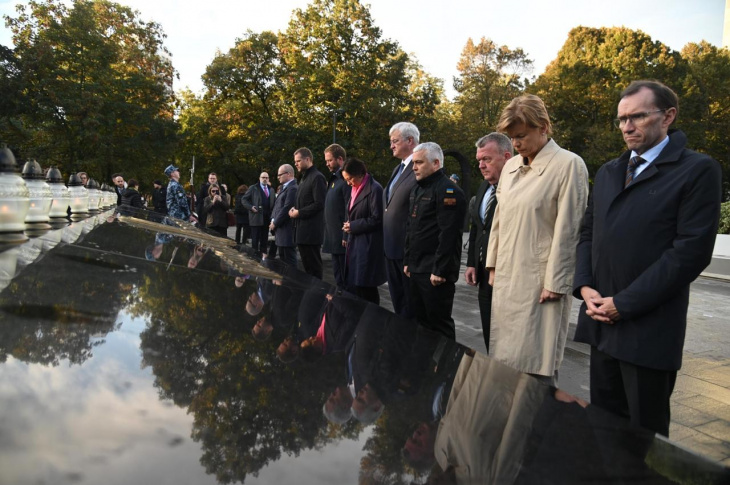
(177, 202)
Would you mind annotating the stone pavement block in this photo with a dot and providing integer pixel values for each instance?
(703, 444)
(706, 405)
(725, 462)
(688, 416)
(719, 429)
(692, 364)
(698, 386)
(719, 376)
(678, 396)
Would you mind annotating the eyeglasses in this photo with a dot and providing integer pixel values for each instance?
(637, 118)
(280, 174)
(267, 178)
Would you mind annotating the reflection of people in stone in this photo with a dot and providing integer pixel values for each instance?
(326, 324)
(262, 329)
(337, 407)
(197, 256)
(488, 417)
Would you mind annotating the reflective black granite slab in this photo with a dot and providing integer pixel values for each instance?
(137, 350)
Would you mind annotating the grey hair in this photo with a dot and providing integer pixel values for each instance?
(433, 152)
(407, 130)
(287, 168)
(502, 141)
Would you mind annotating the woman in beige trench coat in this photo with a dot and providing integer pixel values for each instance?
(541, 199)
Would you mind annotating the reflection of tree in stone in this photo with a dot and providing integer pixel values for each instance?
(46, 319)
(248, 407)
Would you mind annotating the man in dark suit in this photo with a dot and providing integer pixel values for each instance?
(334, 211)
(403, 139)
(259, 201)
(648, 232)
(493, 150)
(309, 212)
(281, 224)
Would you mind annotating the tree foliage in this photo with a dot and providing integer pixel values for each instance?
(96, 88)
(271, 94)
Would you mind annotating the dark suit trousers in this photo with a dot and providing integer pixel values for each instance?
(338, 268)
(485, 302)
(259, 239)
(399, 287)
(433, 304)
(311, 259)
(288, 255)
(638, 393)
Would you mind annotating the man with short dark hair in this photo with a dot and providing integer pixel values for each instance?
(403, 139)
(309, 212)
(648, 232)
(131, 197)
(433, 240)
(334, 211)
(493, 150)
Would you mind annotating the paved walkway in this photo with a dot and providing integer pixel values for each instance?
(701, 400)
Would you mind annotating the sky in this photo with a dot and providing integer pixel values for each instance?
(435, 32)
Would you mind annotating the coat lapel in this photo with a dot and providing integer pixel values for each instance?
(363, 193)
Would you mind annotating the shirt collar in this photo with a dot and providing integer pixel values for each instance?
(652, 153)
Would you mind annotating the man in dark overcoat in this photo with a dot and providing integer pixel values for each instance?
(648, 232)
(309, 212)
(334, 211)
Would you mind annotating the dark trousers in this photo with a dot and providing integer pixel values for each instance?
(338, 268)
(243, 232)
(399, 288)
(484, 296)
(433, 304)
(259, 239)
(368, 293)
(638, 393)
(311, 259)
(288, 255)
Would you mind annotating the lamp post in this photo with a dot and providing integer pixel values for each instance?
(335, 113)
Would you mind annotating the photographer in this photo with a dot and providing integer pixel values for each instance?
(216, 207)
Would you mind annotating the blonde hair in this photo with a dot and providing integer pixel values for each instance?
(527, 109)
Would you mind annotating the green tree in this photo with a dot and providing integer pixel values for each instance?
(581, 86)
(705, 105)
(489, 78)
(98, 87)
(336, 59)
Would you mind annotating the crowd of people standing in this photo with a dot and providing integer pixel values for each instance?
(538, 236)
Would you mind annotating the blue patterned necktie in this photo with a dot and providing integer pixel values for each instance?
(490, 203)
(631, 169)
(395, 179)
